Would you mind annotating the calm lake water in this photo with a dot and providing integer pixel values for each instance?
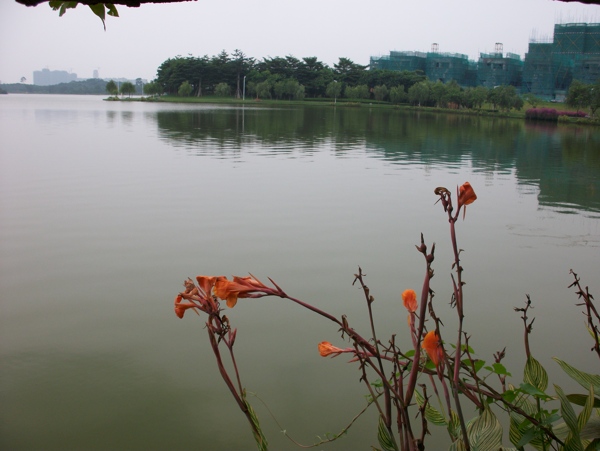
(106, 207)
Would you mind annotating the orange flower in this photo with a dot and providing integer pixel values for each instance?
(181, 308)
(466, 195)
(409, 299)
(326, 348)
(431, 344)
(240, 287)
(207, 283)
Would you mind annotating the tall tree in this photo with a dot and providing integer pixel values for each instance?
(348, 72)
(242, 65)
(127, 88)
(112, 88)
(310, 74)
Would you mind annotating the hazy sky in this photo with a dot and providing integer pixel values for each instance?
(137, 42)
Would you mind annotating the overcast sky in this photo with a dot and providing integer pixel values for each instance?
(137, 42)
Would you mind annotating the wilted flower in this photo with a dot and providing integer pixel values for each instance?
(326, 348)
(240, 287)
(409, 299)
(431, 344)
(466, 195)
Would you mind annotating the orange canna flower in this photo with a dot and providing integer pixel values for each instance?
(326, 348)
(240, 287)
(181, 308)
(409, 299)
(207, 283)
(466, 195)
(431, 344)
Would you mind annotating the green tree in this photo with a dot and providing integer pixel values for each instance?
(112, 88)
(241, 65)
(185, 89)
(438, 93)
(475, 97)
(222, 90)
(419, 93)
(505, 97)
(380, 92)
(595, 98)
(531, 100)
(579, 95)
(152, 89)
(348, 72)
(454, 94)
(334, 89)
(127, 88)
(314, 76)
(263, 90)
(398, 94)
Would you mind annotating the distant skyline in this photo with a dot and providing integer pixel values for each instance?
(135, 44)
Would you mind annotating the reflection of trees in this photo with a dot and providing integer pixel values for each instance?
(562, 161)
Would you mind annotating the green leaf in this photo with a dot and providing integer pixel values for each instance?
(535, 374)
(586, 412)
(580, 400)
(454, 427)
(431, 413)
(477, 364)
(410, 353)
(112, 10)
(485, 433)
(498, 368)
(573, 441)
(594, 445)
(260, 438)
(526, 437)
(534, 391)
(458, 445)
(583, 379)
(519, 425)
(591, 431)
(100, 11)
(509, 395)
(377, 383)
(62, 6)
(386, 440)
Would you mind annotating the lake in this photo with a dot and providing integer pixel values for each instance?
(106, 207)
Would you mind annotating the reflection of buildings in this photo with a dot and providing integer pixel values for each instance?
(547, 71)
(47, 77)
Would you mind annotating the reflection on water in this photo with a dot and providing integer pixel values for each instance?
(105, 207)
(563, 163)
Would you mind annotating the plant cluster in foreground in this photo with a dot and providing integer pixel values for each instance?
(402, 383)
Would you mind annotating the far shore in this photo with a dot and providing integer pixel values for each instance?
(487, 109)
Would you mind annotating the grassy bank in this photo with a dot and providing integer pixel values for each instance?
(487, 110)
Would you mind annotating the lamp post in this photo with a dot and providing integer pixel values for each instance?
(244, 91)
(335, 93)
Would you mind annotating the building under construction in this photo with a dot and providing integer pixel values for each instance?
(496, 69)
(441, 66)
(410, 61)
(547, 70)
(574, 54)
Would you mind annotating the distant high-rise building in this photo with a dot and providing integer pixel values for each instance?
(96, 73)
(46, 77)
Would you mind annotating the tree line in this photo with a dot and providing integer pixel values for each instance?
(272, 78)
(291, 78)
